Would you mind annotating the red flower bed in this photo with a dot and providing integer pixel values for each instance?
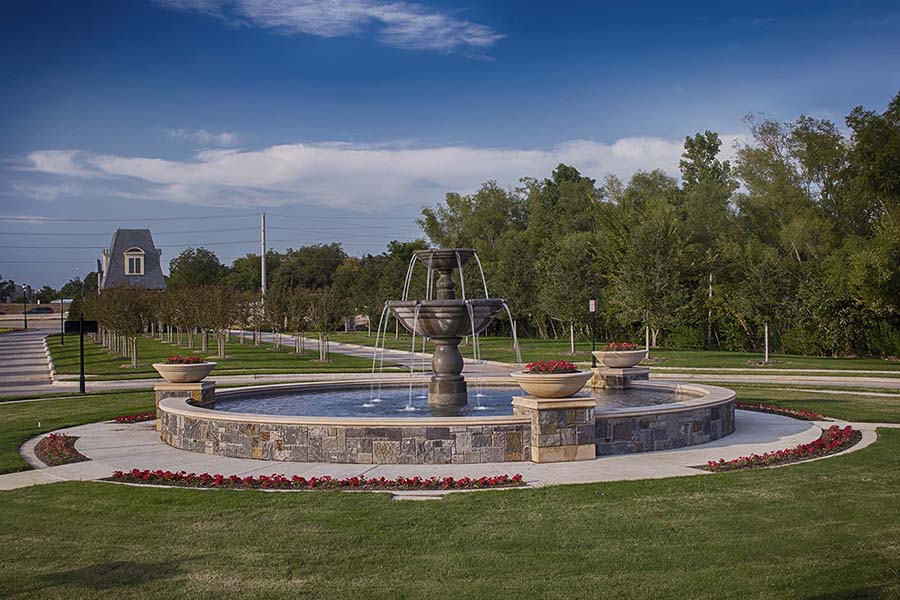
(805, 415)
(551, 366)
(58, 449)
(184, 360)
(833, 439)
(620, 347)
(281, 482)
(137, 417)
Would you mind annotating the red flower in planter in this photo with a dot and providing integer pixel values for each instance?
(551, 366)
(184, 360)
(620, 347)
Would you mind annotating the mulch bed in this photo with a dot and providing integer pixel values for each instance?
(834, 439)
(58, 449)
(803, 415)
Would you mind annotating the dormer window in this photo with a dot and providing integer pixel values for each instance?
(134, 261)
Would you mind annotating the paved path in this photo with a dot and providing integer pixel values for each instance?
(23, 363)
(24, 370)
(124, 447)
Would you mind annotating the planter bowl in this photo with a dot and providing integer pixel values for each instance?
(552, 385)
(620, 359)
(188, 373)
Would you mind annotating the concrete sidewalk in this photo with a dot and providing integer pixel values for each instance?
(114, 447)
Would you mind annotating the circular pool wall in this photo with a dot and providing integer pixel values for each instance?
(694, 414)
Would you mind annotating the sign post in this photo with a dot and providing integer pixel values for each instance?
(81, 327)
(592, 308)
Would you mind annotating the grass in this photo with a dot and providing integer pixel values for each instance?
(21, 421)
(825, 529)
(241, 359)
(5, 329)
(533, 349)
(847, 407)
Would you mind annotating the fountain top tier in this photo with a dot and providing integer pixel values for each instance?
(445, 259)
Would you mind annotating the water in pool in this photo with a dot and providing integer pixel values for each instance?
(392, 402)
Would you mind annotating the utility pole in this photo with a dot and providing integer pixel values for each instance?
(62, 323)
(262, 256)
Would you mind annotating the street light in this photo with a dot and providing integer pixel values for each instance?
(62, 322)
(25, 304)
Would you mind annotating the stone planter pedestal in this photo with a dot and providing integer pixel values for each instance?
(202, 393)
(618, 379)
(562, 429)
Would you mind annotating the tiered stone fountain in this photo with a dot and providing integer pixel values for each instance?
(446, 320)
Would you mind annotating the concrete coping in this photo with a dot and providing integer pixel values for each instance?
(703, 396)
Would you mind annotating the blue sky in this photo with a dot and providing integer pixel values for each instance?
(341, 119)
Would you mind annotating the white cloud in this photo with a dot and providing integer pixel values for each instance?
(402, 24)
(201, 137)
(364, 178)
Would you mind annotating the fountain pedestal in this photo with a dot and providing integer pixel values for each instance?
(618, 379)
(562, 429)
(447, 386)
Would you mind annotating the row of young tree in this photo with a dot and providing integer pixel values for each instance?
(179, 315)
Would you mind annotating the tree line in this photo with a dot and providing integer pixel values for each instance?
(798, 234)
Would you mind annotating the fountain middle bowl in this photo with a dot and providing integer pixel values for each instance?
(446, 318)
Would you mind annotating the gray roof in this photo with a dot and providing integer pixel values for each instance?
(125, 239)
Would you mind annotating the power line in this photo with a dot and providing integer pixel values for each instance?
(107, 233)
(78, 220)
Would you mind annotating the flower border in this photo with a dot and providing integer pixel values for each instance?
(136, 417)
(295, 482)
(834, 439)
(803, 415)
(58, 449)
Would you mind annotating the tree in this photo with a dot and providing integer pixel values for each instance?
(647, 284)
(47, 294)
(566, 281)
(222, 305)
(245, 272)
(309, 266)
(195, 267)
(323, 309)
(477, 221)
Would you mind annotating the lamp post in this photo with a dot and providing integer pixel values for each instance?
(81, 341)
(592, 307)
(25, 304)
(62, 321)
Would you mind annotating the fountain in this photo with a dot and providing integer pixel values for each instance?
(347, 421)
(445, 319)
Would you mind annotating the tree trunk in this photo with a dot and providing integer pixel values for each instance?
(191, 338)
(654, 333)
(572, 338)
(204, 341)
(256, 337)
(222, 345)
(647, 337)
(134, 352)
(397, 329)
(369, 327)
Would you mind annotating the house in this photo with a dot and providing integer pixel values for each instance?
(131, 259)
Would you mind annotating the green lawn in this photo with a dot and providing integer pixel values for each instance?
(532, 349)
(839, 406)
(825, 529)
(241, 359)
(20, 421)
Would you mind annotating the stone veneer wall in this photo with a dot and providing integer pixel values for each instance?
(458, 444)
(664, 431)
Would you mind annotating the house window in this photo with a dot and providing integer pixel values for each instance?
(134, 261)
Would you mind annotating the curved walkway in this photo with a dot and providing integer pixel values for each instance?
(114, 447)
